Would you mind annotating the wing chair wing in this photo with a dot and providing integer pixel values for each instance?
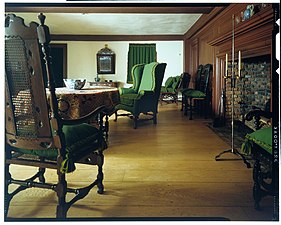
(35, 134)
(136, 73)
(145, 98)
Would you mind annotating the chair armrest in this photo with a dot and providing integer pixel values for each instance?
(123, 91)
(258, 113)
(259, 117)
(144, 94)
(86, 118)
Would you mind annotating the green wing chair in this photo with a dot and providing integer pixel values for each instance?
(170, 90)
(143, 96)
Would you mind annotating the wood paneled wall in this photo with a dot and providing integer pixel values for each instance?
(211, 38)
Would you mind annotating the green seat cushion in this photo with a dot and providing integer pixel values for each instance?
(123, 91)
(128, 99)
(262, 137)
(193, 93)
(79, 142)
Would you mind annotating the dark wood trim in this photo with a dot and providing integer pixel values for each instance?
(252, 24)
(204, 19)
(213, 32)
(117, 37)
(64, 48)
(111, 7)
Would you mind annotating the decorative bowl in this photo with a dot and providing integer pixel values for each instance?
(74, 83)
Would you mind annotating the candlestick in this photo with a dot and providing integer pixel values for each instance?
(226, 65)
(239, 64)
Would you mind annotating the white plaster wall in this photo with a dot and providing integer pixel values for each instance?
(81, 59)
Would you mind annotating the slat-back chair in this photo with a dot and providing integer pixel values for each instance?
(35, 134)
(202, 91)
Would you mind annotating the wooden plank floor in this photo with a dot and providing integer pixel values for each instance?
(167, 170)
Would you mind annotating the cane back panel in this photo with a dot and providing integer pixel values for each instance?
(27, 116)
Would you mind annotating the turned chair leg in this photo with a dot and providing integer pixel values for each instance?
(185, 106)
(106, 126)
(61, 194)
(100, 173)
(161, 98)
(155, 118)
(135, 119)
(41, 176)
(42, 172)
(7, 196)
(190, 113)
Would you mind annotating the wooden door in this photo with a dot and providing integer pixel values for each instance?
(58, 53)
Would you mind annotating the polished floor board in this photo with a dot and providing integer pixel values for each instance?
(157, 171)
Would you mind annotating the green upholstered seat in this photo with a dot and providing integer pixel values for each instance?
(79, 141)
(143, 96)
(194, 93)
(262, 137)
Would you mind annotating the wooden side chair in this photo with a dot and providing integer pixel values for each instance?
(183, 85)
(35, 134)
(201, 92)
(258, 144)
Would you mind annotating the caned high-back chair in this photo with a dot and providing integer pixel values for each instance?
(35, 134)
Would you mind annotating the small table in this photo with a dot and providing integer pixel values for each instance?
(77, 103)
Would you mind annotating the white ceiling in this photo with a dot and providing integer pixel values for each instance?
(115, 23)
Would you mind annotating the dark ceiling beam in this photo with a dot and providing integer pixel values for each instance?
(109, 8)
(116, 37)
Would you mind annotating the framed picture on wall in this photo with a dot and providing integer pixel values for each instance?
(105, 61)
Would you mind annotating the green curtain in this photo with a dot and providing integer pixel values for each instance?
(140, 53)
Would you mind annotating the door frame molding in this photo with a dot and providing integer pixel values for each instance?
(64, 48)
